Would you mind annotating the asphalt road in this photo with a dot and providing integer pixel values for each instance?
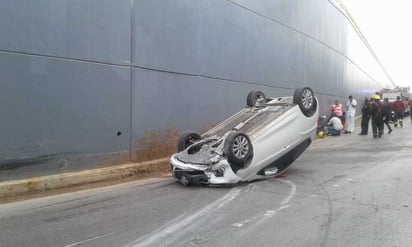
(343, 191)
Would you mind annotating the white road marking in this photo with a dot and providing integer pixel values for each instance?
(90, 239)
(179, 224)
(292, 192)
(259, 218)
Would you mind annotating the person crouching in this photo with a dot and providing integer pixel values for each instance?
(334, 125)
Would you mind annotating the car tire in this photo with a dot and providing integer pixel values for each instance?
(253, 97)
(306, 100)
(238, 148)
(186, 139)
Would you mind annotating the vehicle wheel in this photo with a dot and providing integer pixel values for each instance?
(253, 97)
(238, 148)
(187, 139)
(306, 100)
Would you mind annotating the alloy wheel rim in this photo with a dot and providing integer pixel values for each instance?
(240, 147)
(307, 98)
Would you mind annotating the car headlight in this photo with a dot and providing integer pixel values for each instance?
(219, 172)
(215, 159)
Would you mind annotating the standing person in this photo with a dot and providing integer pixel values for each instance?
(410, 108)
(387, 114)
(350, 114)
(334, 125)
(337, 108)
(365, 117)
(376, 111)
(399, 108)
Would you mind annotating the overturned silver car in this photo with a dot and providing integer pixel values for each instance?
(258, 142)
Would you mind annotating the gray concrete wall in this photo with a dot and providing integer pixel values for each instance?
(81, 81)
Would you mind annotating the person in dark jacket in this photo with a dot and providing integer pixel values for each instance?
(376, 112)
(387, 114)
(365, 117)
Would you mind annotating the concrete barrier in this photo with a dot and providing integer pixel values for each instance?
(46, 183)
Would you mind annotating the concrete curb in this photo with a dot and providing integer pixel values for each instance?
(46, 183)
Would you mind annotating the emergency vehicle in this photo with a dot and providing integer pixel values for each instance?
(392, 94)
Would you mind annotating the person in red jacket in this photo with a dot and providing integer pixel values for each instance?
(399, 108)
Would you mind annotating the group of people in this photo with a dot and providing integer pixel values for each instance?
(373, 109)
(339, 118)
(380, 113)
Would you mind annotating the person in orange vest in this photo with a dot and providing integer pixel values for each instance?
(337, 109)
(399, 108)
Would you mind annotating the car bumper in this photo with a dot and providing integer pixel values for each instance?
(188, 173)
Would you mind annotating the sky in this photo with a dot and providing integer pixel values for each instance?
(386, 24)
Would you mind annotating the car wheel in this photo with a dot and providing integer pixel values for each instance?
(306, 100)
(253, 97)
(187, 139)
(238, 148)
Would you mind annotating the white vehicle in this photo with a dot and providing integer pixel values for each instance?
(258, 142)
